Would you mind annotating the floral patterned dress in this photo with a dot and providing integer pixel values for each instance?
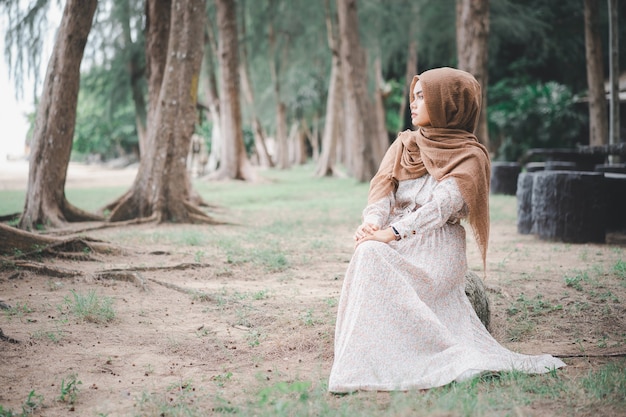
(404, 321)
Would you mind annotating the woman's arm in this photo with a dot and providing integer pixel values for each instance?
(374, 216)
(446, 200)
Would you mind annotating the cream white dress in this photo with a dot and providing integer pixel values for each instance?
(404, 321)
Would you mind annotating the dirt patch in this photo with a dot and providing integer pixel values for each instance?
(226, 325)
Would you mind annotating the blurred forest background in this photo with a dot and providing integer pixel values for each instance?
(276, 83)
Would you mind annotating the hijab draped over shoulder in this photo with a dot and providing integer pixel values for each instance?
(447, 148)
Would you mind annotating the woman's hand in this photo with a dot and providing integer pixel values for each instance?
(363, 230)
(385, 236)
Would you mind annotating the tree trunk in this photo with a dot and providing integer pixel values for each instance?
(46, 203)
(282, 146)
(472, 36)
(135, 75)
(162, 188)
(234, 163)
(326, 163)
(614, 128)
(357, 102)
(209, 87)
(569, 206)
(598, 122)
(312, 135)
(265, 160)
(411, 70)
(382, 137)
(158, 17)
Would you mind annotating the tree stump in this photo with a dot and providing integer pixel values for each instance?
(504, 177)
(535, 166)
(524, 203)
(616, 202)
(569, 206)
(560, 166)
(613, 168)
(475, 291)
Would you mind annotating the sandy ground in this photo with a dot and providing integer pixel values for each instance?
(14, 175)
(190, 321)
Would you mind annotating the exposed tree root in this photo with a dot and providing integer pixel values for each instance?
(202, 296)
(19, 244)
(594, 355)
(134, 278)
(75, 214)
(177, 267)
(6, 338)
(104, 225)
(81, 249)
(198, 216)
(45, 269)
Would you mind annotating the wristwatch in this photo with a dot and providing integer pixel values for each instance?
(395, 233)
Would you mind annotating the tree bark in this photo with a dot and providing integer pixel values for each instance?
(135, 75)
(411, 70)
(472, 36)
(598, 122)
(46, 204)
(382, 137)
(282, 146)
(211, 94)
(158, 17)
(234, 161)
(614, 128)
(162, 188)
(326, 163)
(265, 160)
(357, 102)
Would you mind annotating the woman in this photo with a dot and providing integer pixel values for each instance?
(404, 321)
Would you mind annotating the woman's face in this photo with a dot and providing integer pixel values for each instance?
(419, 114)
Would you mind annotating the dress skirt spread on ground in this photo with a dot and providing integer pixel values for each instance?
(404, 321)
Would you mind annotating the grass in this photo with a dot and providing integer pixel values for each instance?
(91, 307)
(504, 394)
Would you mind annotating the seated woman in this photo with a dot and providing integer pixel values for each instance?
(404, 321)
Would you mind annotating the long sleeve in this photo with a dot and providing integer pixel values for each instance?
(378, 212)
(446, 203)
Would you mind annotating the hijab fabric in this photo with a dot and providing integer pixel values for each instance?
(447, 148)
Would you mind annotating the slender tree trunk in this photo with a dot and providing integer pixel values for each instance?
(312, 136)
(357, 101)
(614, 128)
(211, 94)
(281, 139)
(46, 203)
(162, 187)
(326, 163)
(411, 70)
(382, 142)
(598, 122)
(265, 160)
(472, 36)
(234, 162)
(158, 16)
(135, 75)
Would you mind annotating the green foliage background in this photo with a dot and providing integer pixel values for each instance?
(536, 65)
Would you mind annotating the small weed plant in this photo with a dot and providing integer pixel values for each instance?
(69, 390)
(91, 307)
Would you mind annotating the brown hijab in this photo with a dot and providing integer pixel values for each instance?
(447, 148)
